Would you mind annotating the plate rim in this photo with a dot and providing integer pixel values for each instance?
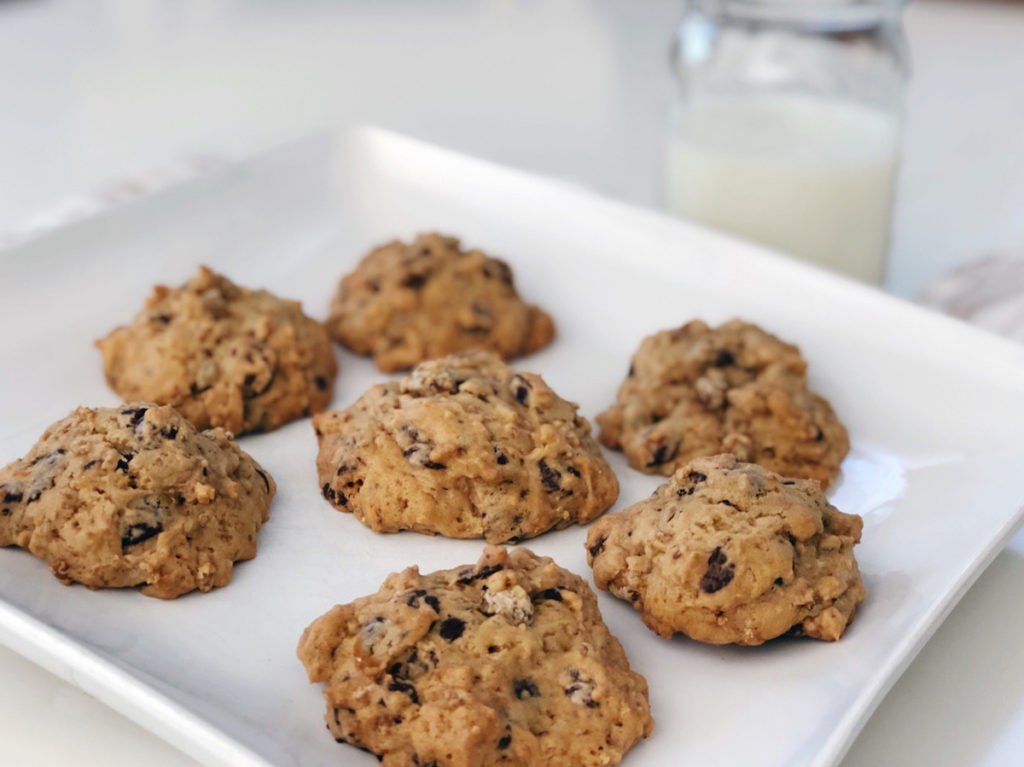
(132, 696)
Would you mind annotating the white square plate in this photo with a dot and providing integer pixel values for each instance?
(935, 410)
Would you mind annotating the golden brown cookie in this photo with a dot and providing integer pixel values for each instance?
(135, 496)
(505, 663)
(466, 447)
(405, 304)
(223, 355)
(698, 391)
(728, 552)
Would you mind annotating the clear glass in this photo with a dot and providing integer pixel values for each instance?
(787, 125)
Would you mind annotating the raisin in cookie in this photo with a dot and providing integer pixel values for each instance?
(405, 304)
(223, 355)
(135, 496)
(728, 552)
(466, 447)
(698, 391)
(505, 663)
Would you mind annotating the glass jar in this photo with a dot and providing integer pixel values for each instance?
(788, 123)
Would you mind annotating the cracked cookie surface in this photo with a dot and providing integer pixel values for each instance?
(504, 663)
(223, 355)
(466, 447)
(728, 552)
(406, 303)
(135, 496)
(697, 391)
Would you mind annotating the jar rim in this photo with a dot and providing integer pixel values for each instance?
(830, 14)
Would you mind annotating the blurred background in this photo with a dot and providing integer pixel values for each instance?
(104, 101)
(98, 95)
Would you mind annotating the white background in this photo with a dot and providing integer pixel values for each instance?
(94, 93)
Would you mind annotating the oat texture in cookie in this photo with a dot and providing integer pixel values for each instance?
(406, 303)
(135, 496)
(506, 663)
(223, 355)
(698, 391)
(729, 552)
(464, 446)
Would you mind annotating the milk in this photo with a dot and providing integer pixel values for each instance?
(809, 177)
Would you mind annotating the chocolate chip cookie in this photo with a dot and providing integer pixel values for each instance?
(405, 304)
(698, 391)
(504, 663)
(728, 552)
(135, 496)
(466, 447)
(223, 355)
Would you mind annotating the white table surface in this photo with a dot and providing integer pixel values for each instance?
(91, 93)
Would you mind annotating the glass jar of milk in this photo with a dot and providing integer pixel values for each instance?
(787, 126)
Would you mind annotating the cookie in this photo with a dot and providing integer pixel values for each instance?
(404, 304)
(135, 496)
(698, 391)
(731, 553)
(504, 663)
(464, 446)
(223, 355)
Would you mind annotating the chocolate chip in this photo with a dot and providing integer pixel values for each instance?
(789, 482)
(696, 476)
(521, 388)
(505, 742)
(598, 547)
(415, 281)
(164, 318)
(321, 383)
(820, 436)
(719, 574)
(413, 600)
(170, 431)
(137, 414)
(663, 454)
(408, 689)
(553, 594)
(573, 470)
(266, 482)
(632, 370)
(91, 463)
(195, 389)
(551, 478)
(12, 496)
(581, 690)
(779, 582)
(492, 648)
(724, 359)
(496, 269)
(525, 688)
(501, 458)
(138, 533)
(5, 512)
(329, 493)
(433, 465)
(452, 628)
(122, 464)
(730, 504)
(484, 572)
